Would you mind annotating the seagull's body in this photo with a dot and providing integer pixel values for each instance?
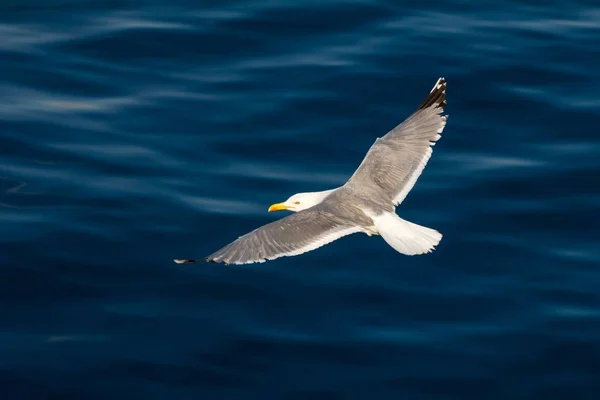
(365, 203)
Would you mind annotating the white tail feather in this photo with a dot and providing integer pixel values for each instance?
(406, 237)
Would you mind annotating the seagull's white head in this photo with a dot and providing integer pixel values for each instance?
(301, 201)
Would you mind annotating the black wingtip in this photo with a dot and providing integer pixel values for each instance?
(185, 261)
(437, 95)
(205, 259)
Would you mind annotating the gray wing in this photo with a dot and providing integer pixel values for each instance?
(295, 234)
(394, 162)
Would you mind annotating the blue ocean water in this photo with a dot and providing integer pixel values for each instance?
(136, 132)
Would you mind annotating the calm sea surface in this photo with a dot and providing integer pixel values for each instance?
(135, 132)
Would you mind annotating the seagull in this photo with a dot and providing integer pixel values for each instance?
(366, 203)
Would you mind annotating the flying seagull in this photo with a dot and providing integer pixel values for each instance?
(365, 203)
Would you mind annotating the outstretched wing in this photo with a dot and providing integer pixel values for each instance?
(295, 234)
(394, 162)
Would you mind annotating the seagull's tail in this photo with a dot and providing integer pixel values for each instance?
(437, 95)
(406, 237)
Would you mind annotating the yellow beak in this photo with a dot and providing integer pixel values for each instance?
(278, 207)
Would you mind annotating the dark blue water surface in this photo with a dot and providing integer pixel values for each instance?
(135, 132)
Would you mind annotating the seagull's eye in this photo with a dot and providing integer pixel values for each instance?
(296, 202)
